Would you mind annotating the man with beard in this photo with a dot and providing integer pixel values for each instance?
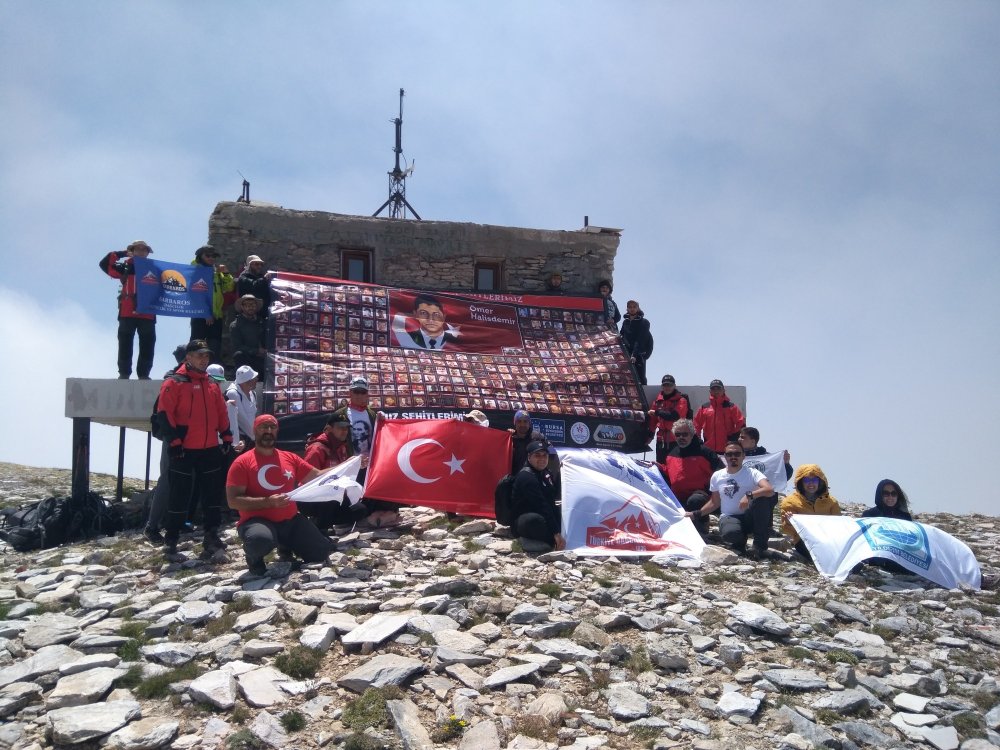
(522, 434)
(688, 470)
(257, 487)
(192, 417)
(744, 496)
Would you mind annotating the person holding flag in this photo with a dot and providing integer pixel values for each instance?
(811, 497)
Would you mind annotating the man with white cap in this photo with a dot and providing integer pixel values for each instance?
(241, 401)
(246, 334)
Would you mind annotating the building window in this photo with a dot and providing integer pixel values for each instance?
(489, 277)
(356, 265)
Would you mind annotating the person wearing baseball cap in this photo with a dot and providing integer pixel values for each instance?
(241, 401)
(257, 487)
(537, 522)
(256, 281)
(719, 420)
(247, 334)
(120, 265)
(669, 406)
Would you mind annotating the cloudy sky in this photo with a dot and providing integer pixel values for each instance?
(809, 191)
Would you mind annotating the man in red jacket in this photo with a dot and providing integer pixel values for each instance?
(669, 406)
(120, 266)
(719, 420)
(688, 469)
(192, 414)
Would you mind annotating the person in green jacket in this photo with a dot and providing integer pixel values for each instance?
(210, 329)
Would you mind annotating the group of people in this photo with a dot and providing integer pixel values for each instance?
(248, 297)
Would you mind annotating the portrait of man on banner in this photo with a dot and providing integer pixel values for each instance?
(433, 322)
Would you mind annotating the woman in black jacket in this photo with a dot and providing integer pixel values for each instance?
(890, 502)
(537, 521)
(636, 338)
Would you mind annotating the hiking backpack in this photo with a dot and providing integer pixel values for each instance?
(157, 428)
(502, 500)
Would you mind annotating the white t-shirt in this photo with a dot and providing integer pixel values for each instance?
(732, 488)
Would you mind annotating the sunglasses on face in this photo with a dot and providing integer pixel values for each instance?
(890, 493)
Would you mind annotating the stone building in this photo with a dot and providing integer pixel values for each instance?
(435, 255)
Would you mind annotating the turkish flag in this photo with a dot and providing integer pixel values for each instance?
(445, 464)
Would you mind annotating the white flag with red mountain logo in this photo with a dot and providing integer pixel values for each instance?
(615, 505)
(445, 464)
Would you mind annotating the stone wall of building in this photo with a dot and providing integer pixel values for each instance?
(423, 254)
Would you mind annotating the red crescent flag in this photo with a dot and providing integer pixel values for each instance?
(445, 464)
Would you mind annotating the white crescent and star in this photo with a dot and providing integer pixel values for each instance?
(405, 466)
(262, 477)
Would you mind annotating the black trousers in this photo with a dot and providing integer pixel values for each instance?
(196, 477)
(756, 522)
(533, 526)
(297, 534)
(694, 503)
(200, 329)
(127, 329)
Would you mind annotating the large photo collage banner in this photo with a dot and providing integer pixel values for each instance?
(432, 355)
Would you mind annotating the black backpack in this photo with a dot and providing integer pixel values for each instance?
(56, 520)
(501, 500)
(157, 428)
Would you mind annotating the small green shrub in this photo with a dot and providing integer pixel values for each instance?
(638, 662)
(362, 742)
(550, 590)
(536, 727)
(239, 605)
(450, 729)
(293, 721)
(718, 577)
(299, 662)
(799, 652)
(130, 650)
(369, 709)
(131, 679)
(969, 725)
(447, 571)
(839, 655)
(158, 686)
(653, 570)
(757, 599)
(244, 740)
(240, 714)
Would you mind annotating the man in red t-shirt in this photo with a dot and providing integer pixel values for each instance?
(257, 486)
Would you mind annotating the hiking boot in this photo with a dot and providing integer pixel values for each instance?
(257, 568)
(285, 555)
(170, 546)
(212, 542)
(534, 546)
(153, 536)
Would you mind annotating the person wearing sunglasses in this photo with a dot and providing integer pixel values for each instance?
(811, 497)
(210, 329)
(890, 502)
(744, 496)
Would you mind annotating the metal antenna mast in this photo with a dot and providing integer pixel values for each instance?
(396, 201)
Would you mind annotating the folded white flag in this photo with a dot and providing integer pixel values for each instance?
(838, 543)
(772, 466)
(614, 505)
(333, 485)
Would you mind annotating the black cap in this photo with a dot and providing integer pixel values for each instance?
(338, 419)
(668, 379)
(716, 382)
(537, 445)
(197, 346)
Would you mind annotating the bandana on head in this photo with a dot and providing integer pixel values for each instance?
(264, 419)
(521, 414)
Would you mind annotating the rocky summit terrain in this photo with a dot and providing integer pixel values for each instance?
(442, 634)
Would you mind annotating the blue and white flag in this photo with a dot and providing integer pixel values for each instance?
(772, 466)
(615, 505)
(838, 543)
(179, 290)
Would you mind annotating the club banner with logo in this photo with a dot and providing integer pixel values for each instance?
(431, 355)
(333, 485)
(772, 466)
(838, 543)
(613, 504)
(180, 290)
(443, 464)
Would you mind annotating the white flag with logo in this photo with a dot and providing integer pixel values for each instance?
(838, 543)
(615, 505)
(332, 485)
(772, 466)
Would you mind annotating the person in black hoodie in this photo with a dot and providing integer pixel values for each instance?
(636, 338)
(537, 520)
(890, 502)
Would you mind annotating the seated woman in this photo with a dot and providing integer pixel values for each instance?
(890, 502)
(537, 521)
(811, 497)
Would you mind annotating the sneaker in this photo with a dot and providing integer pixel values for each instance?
(153, 536)
(534, 546)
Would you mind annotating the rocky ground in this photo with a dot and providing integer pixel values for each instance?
(434, 635)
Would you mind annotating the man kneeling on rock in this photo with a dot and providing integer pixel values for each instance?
(257, 486)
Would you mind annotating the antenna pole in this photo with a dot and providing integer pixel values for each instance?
(397, 202)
